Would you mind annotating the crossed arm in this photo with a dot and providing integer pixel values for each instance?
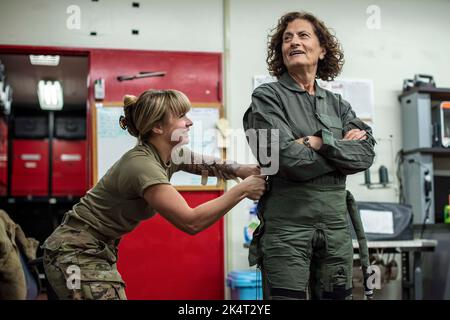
(351, 154)
(327, 154)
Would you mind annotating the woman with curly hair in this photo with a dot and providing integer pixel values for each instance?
(303, 244)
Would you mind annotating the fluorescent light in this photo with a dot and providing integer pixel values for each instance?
(42, 60)
(50, 95)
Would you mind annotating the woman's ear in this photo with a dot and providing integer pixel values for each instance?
(322, 54)
(158, 128)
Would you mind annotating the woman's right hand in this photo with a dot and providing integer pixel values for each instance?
(253, 186)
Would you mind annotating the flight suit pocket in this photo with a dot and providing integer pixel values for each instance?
(334, 124)
(337, 279)
(336, 127)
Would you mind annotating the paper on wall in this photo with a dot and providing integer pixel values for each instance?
(359, 93)
(377, 221)
(260, 79)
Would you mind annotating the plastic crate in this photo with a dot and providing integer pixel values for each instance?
(245, 284)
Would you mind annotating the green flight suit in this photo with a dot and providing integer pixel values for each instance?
(304, 239)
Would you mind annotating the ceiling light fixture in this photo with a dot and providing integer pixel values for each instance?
(50, 95)
(42, 60)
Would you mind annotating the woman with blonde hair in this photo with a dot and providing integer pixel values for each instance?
(132, 190)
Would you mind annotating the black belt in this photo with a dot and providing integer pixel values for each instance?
(80, 225)
(326, 181)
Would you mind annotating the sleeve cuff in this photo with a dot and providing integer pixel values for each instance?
(327, 137)
(151, 183)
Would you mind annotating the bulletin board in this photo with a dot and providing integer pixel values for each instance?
(111, 142)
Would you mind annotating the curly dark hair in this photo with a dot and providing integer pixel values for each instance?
(327, 69)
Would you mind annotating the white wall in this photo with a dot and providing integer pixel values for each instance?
(413, 38)
(195, 25)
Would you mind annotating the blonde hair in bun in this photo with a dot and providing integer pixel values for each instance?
(142, 114)
(129, 102)
(129, 99)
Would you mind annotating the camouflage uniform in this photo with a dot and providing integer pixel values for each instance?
(70, 248)
(88, 237)
(13, 245)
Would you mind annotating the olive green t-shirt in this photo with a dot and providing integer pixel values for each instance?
(115, 205)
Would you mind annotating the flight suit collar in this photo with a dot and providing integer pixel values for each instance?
(290, 84)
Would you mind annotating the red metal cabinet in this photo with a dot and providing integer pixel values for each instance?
(30, 168)
(198, 75)
(158, 261)
(69, 176)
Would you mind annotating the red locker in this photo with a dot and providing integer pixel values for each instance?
(30, 168)
(196, 74)
(69, 176)
(159, 262)
(3, 157)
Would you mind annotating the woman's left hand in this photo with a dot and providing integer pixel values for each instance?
(247, 170)
(355, 134)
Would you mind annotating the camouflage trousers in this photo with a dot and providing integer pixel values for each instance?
(80, 267)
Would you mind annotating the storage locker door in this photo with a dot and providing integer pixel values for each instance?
(30, 168)
(69, 177)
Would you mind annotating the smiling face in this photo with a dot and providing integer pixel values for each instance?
(301, 48)
(176, 129)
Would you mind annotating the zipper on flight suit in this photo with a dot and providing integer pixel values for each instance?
(316, 114)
